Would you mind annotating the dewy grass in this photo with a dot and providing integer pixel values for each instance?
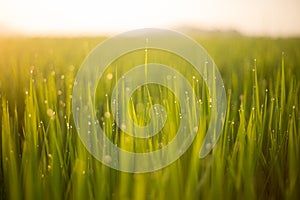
(257, 157)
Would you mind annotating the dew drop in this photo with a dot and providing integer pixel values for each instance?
(109, 76)
(107, 114)
(208, 146)
(195, 129)
(50, 113)
(123, 126)
(107, 159)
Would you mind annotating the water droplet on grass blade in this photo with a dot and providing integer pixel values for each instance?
(127, 89)
(109, 76)
(107, 114)
(50, 113)
(107, 158)
(208, 146)
(195, 129)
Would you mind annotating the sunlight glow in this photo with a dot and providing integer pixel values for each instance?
(277, 17)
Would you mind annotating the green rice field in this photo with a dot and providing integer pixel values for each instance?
(256, 157)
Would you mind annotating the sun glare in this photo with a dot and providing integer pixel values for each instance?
(262, 17)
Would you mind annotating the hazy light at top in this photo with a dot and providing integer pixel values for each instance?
(270, 17)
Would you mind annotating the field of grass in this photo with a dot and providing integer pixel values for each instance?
(257, 156)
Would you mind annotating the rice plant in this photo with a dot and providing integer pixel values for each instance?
(257, 157)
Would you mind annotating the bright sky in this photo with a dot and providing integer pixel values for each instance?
(271, 17)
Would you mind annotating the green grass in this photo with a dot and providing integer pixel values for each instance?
(257, 156)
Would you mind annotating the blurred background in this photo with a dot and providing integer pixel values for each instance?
(277, 18)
